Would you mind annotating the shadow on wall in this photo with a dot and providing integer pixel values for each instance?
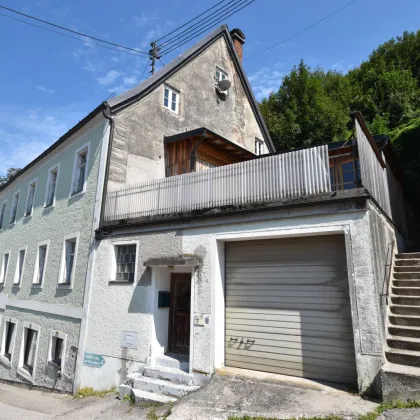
(139, 303)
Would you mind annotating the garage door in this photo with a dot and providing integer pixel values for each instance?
(287, 308)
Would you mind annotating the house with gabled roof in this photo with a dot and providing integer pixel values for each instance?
(187, 244)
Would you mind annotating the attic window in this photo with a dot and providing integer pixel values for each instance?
(220, 74)
(171, 99)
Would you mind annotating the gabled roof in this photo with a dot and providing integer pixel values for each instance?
(143, 89)
(127, 98)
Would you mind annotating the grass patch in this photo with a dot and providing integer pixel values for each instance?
(90, 392)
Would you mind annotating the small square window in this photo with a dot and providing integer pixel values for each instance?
(15, 206)
(56, 354)
(30, 199)
(2, 211)
(51, 187)
(259, 147)
(220, 74)
(4, 267)
(125, 263)
(171, 99)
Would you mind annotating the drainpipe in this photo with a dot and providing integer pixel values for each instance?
(108, 115)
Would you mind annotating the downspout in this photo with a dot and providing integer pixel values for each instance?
(108, 115)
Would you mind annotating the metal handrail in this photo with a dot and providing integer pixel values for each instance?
(388, 270)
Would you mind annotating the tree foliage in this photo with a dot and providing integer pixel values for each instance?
(312, 106)
(11, 172)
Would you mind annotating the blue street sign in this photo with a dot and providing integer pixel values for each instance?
(93, 360)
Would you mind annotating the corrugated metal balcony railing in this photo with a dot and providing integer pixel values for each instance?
(293, 174)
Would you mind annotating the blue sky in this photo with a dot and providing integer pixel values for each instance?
(51, 82)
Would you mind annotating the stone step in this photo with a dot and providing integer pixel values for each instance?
(162, 387)
(174, 362)
(407, 320)
(406, 291)
(408, 256)
(141, 396)
(407, 269)
(176, 376)
(407, 276)
(405, 310)
(408, 262)
(406, 283)
(403, 357)
(404, 331)
(405, 300)
(400, 382)
(404, 343)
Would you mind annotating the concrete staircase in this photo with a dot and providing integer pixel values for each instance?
(401, 374)
(165, 382)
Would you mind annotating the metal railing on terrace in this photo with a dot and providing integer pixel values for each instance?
(293, 174)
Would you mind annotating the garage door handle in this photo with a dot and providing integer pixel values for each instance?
(233, 339)
(250, 342)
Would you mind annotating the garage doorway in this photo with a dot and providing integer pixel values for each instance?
(288, 308)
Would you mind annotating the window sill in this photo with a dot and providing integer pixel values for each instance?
(51, 206)
(65, 286)
(16, 286)
(77, 194)
(53, 364)
(5, 360)
(120, 282)
(27, 216)
(25, 374)
(37, 285)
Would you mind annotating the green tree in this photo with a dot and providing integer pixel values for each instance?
(11, 172)
(310, 107)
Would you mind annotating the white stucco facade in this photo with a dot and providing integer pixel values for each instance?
(204, 240)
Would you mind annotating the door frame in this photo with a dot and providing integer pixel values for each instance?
(171, 312)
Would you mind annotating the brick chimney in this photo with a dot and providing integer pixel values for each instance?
(238, 38)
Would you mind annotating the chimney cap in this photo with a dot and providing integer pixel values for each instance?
(236, 33)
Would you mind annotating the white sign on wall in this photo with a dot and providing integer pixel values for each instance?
(129, 339)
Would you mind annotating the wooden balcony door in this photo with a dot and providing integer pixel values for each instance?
(180, 313)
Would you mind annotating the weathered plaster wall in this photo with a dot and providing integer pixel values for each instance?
(69, 215)
(116, 307)
(45, 375)
(138, 152)
(205, 238)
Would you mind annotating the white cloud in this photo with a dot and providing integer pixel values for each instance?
(144, 19)
(26, 133)
(109, 78)
(127, 83)
(265, 81)
(48, 91)
(339, 66)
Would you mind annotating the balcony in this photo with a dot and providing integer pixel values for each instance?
(268, 179)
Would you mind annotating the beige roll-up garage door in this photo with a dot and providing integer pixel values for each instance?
(288, 309)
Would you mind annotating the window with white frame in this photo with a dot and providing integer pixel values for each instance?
(40, 263)
(15, 206)
(30, 198)
(8, 342)
(51, 187)
(259, 147)
(171, 99)
(79, 171)
(68, 260)
(4, 267)
(28, 351)
(57, 349)
(2, 212)
(125, 263)
(220, 74)
(19, 267)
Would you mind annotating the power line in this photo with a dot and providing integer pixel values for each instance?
(205, 28)
(70, 30)
(182, 34)
(301, 31)
(67, 36)
(192, 20)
